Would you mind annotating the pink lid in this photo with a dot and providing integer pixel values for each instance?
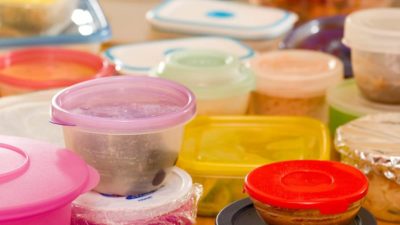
(124, 104)
(36, 177)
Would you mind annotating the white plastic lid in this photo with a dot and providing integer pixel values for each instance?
(296, 73)
(347, 98)
(121, 210)
(376, 30)
(225, 18)
(129, 59)
(28, 116)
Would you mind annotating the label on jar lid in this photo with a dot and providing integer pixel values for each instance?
(330, 187)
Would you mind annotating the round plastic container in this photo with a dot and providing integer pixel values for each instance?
(372, 144)
(307, 192)
(34, 69)
(220, 81)
(129, 128)
(294, 82)
(38, 183)
(172, 204)
(346, 103)
(373, 36)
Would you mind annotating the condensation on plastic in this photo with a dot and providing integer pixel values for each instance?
(179, 212)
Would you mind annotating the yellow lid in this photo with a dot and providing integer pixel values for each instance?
(233, 146)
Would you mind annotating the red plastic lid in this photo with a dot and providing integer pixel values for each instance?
(327, 186)
(51, 67)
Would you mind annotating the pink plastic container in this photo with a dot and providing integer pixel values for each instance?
(38, 183)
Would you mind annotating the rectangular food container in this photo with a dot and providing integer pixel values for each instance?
(219, 151)
(87, 29)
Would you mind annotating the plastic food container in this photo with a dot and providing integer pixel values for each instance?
(87, 29)
(260, 28)
(28, 116)
(129, 128)
(27, 17)
(34, 69)
(243, 212)
(219, 151)
(38, 183)
(371, 144)
(373, 36)
(294, 82)
(323, 34)
(221, 82)
(130, 59)
(307, 192)
(172, 204)
(346, 103)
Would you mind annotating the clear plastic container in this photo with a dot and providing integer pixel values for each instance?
(307, 192)
(220, 81)
(346, 103)
(219, 151)
(371, 143)
(373, 36)
(174, 203)
(129, 128)
(33, 69)
(294, 82)
(260, 28)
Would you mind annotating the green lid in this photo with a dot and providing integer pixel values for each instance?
(209, 74)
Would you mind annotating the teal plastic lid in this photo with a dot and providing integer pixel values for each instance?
(209, 74)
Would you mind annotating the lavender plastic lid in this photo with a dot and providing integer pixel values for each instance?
(134, 104)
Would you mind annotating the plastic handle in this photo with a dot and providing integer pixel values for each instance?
(15, 172)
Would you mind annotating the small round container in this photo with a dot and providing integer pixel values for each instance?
(307, 192)
(294, 82)
(372, 144)
(129, 128)
(373, 36)
(35, 69)
(220, 81)
(174, 203)
(346, 103)
(38, 183)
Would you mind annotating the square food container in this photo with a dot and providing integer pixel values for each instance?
(260, 28)
(219, 151)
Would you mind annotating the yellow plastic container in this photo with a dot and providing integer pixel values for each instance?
(219, 151)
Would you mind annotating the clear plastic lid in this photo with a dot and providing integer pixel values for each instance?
(374, 142)
(296, 73)
(376, 30)
(347, 98)
(224, 18)
(209, 74)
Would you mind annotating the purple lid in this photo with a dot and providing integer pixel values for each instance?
(124, 104)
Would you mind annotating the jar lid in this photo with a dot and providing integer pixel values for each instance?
(375, 30)
(296, 73)
(373, 141)
(330, 187)
(222, 18)
(101, 209)
(36, 177)
(129, 59)
(124, 104)
(209, 74)
(347, 98)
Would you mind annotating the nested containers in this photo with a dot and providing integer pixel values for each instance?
(294, 82)
(373, 36)
(219, 151)
(308, 192)
(35, 69)
(129, 128)
(220, 81)
(38, 183)
(371, 143)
